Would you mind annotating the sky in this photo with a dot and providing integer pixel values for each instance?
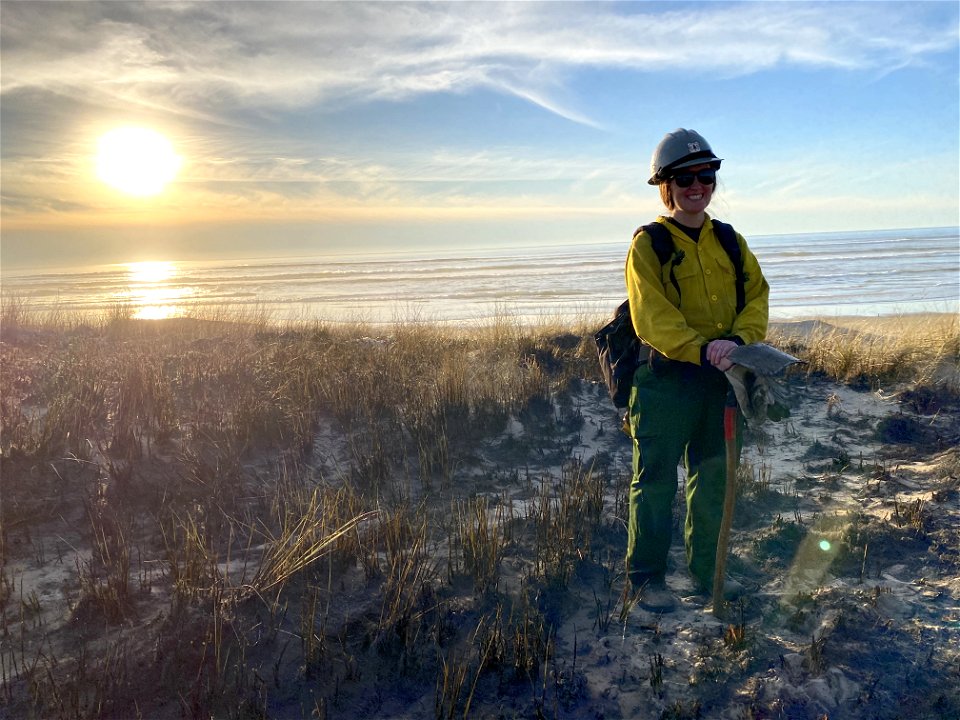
(345, 127)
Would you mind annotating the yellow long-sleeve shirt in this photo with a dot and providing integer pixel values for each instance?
(678, 327)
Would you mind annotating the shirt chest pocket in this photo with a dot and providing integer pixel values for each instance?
(721, 264)
(684, 281)
(719, 281)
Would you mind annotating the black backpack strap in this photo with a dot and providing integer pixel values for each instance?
(660, 239)
(726, 235)
(663, 246)
(728, 241)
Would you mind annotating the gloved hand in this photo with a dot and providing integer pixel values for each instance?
(760, 397)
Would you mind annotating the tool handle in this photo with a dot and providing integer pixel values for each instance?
(730, 419)
(729, 500)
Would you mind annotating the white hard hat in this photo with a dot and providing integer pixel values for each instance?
(679, 149)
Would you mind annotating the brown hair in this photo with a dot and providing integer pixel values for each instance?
(666, 195)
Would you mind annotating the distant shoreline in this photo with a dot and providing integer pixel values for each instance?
(868, 274)
(807, 325)
(18, 315)
(40, 254)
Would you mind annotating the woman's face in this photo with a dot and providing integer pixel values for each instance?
(694, 199)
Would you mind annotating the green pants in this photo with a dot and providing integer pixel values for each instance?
(676, 413)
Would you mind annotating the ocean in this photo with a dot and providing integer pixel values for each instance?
(890, 272)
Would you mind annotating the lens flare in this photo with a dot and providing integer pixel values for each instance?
(814, 557)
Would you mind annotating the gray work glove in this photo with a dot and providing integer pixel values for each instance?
(760, 397)
(759, 394)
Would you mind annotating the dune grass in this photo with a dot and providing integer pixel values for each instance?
(155, 429)
(918, 349)
(271, 504)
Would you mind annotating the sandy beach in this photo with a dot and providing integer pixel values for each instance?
(224, 520)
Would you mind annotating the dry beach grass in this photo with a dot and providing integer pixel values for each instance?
(222, 517)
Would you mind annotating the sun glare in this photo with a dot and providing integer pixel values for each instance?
(151, 271)
(137, 161)
(152, 290)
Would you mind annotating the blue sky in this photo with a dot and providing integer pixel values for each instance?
(331, 127)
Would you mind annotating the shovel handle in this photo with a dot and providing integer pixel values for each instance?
(730, 420)
(729, 500)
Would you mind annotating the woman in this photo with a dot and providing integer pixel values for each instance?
(687, 311)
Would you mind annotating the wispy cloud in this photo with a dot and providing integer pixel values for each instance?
(201, 57)
(246, 85)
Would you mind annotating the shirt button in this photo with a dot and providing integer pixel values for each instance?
(713, 297)
(707, 272)
(719, 326)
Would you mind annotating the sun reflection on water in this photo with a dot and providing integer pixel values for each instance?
(151, 271)
(153, 291)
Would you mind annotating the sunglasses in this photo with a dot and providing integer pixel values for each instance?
(685, 180)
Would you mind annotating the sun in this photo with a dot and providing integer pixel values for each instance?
(137, 161)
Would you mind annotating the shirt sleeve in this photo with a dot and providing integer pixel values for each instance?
(655, 319)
